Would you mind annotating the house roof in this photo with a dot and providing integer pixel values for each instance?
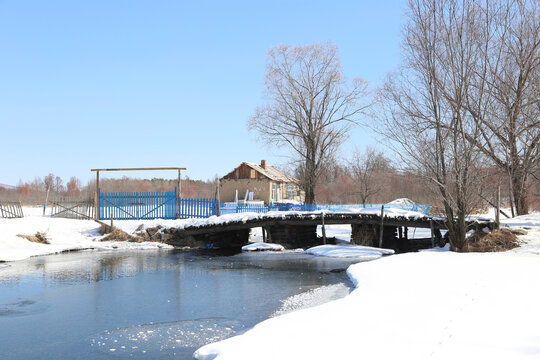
(270, 172)
(273, 173)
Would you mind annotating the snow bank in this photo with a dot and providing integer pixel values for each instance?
(349, 251)
(261, 246)
(63, 234)
(440, 305)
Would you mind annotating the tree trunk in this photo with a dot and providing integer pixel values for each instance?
(310, 195)
(519, 182)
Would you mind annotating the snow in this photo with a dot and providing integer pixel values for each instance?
(402, 201)
(349, 251)
(430, 304)
(260, 246)
(63, 235)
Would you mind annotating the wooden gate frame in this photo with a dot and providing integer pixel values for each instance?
(96, 199)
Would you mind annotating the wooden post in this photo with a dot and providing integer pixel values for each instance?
(46, 200)
(96, 201)
(178, 194)
(112, 222)
(498, 215)
(381, 227)
(432, 239)
(219, 201)
(323, 229)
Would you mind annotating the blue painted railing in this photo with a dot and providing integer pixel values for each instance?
(197, 208)
(232, 208)
(166, 205)
(137, 205)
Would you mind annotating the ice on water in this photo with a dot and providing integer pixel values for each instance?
(164, 339)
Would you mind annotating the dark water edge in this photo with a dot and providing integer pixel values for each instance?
(160, 304)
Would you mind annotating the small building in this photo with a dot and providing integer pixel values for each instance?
(266, 182)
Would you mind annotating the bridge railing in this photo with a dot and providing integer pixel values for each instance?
(233, 208)
(167, 205)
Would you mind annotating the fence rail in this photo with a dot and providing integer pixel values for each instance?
(73, 209)
(10, 210)
(166, 205)
(137, 205)
(197, 208)
(232, 208)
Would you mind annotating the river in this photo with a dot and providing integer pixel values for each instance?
(159, 304)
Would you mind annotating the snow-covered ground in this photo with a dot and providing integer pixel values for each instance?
(70, 234)
(63, 234)
(431, 304)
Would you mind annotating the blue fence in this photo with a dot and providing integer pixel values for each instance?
(232, 208)
(153, 205)
(197, 208)
(137, 205)
(166, 205)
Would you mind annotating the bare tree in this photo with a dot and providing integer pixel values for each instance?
(364, 168)
(48, 182)
(310, 107)
(510, 126)
(58, 184)
(73, 187)
(426, 109)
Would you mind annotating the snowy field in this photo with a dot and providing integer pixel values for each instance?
(63, 234)
(431, 304)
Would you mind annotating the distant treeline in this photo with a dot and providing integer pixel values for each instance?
(35, 192)
(361, 181)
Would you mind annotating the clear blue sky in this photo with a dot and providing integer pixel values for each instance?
(111, 83)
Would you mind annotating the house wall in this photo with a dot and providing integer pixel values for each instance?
(260, 187)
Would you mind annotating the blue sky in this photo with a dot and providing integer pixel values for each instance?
(86, 84)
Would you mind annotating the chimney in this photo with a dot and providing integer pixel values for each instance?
(263, 164)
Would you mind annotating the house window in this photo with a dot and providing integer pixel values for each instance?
(274, 192)
(252, 174)
(290, 191)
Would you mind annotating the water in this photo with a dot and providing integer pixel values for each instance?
(153, 304)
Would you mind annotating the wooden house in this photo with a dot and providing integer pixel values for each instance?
(266, 182)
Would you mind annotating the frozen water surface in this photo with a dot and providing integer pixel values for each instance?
(154, 304)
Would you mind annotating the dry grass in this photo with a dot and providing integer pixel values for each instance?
(117, 235)
(39, 237)
(500, 240)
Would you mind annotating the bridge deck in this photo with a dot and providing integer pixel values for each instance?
(292, 225)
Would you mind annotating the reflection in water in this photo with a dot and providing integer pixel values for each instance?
(151, 304)
(84, 266)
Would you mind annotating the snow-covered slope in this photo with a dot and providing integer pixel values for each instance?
(437, 305)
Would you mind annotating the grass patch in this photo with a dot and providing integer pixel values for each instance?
(116, 235)
(39, 237)
(499, 240)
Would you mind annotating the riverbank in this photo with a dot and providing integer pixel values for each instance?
(72, 235)
(430, 304)
(63, 235)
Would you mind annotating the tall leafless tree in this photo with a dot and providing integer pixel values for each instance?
(310, 106)
(510, 123)
(426, 104)
(364, 168)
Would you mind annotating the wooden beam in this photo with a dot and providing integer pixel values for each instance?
(96, 201)
(138, 169)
